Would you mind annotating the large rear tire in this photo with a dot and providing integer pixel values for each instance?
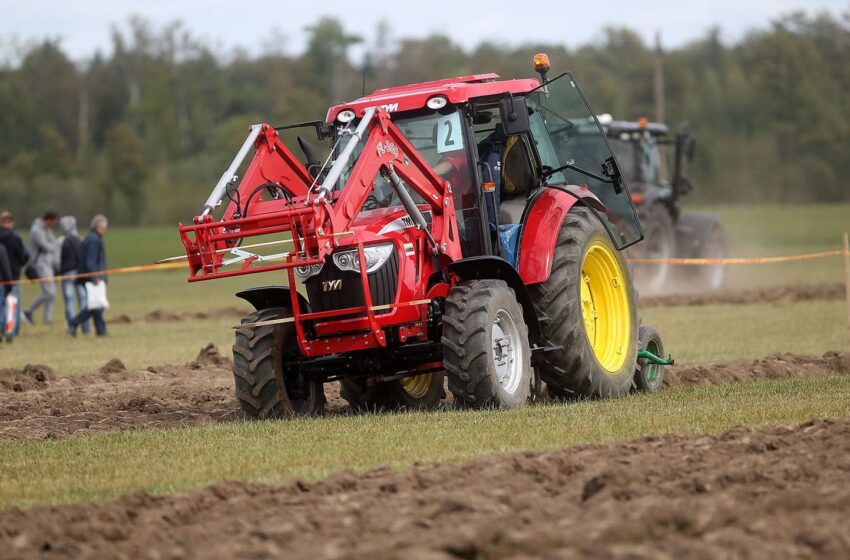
(263, 388)
(701, 236)
(590, 311)
(485, 346)
(420, 392)
(659, 243)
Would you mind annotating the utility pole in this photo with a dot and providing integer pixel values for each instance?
(659, 80)
(658, 90)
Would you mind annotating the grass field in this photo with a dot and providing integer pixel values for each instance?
(165, 461)
(162, 461)
(723, 332)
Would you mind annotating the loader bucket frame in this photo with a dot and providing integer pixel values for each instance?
(315, 217)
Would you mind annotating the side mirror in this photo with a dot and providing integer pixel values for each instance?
(610, 170)
(514, 114)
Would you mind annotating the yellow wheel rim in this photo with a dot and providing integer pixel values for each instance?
(605, 306)
(416, 386)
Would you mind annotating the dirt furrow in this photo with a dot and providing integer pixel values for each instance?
(782, 492)
(36, 403)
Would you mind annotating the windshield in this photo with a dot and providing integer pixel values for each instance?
(440, 137)
(566, 132)
(439, 140)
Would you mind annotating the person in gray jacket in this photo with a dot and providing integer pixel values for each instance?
(45, 261)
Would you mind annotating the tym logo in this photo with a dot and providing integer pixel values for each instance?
(390, 107)
(332, 285)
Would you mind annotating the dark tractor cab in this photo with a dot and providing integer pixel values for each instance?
(669, 232)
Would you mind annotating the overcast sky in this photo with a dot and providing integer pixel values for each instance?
(83, 25)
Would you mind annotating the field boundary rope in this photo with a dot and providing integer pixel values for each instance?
(730, 261)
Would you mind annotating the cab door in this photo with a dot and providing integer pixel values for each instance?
(574, 150)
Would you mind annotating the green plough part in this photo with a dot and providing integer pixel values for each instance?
(653, 359)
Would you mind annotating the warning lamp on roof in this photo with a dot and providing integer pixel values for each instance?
(541, 65)
(643, 122)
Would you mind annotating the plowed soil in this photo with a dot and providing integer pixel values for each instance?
(783, 492)
(802, 292)
(36, 403)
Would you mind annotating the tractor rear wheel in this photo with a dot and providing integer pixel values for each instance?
(659, 243)
(485, 346)
(701, 236)
(590, 311)
(263, 387)
(420, 392)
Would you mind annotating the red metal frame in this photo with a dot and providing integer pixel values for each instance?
(315, 226)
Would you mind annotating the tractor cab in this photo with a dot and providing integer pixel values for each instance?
(639, 146)
(499, 144)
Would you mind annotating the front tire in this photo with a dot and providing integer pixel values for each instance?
(420, 392)
(589, 304)
(263, 387)
(485, 346)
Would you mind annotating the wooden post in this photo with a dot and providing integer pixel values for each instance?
(847, 274)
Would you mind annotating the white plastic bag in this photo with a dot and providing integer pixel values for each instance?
(96, 296)
(11, 313)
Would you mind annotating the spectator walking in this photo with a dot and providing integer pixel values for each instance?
(71, 245)
(92, 259)
(18, 257)
(5, 279)
(45, 262)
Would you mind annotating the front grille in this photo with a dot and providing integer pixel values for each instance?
(383, 284)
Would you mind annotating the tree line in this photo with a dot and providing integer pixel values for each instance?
(143, 132)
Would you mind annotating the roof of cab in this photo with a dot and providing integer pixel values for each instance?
(414, 96)
(615, 128)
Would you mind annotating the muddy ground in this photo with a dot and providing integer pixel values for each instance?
(783, 492)
(36, 403)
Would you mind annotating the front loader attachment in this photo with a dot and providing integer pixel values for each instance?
(278, 205)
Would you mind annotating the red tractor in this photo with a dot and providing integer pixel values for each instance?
(467, 228)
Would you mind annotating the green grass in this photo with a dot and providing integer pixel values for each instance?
(784, 230)
(166, 461)
(719, 332)
(691, 334)
(163, 461)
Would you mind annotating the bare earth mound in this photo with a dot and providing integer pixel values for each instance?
(801, 292)
(777, 366)
(783, 492)
(36, 404)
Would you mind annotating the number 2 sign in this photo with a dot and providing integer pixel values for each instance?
(449, 134)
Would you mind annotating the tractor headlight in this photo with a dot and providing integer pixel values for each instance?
(375, 256)
(305, 272)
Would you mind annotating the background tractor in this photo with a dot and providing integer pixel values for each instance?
(669, 232)
(467, 228)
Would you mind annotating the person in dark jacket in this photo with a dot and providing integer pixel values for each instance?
(92, 260)
(18, 256)
(71, 245)
(5, 282)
